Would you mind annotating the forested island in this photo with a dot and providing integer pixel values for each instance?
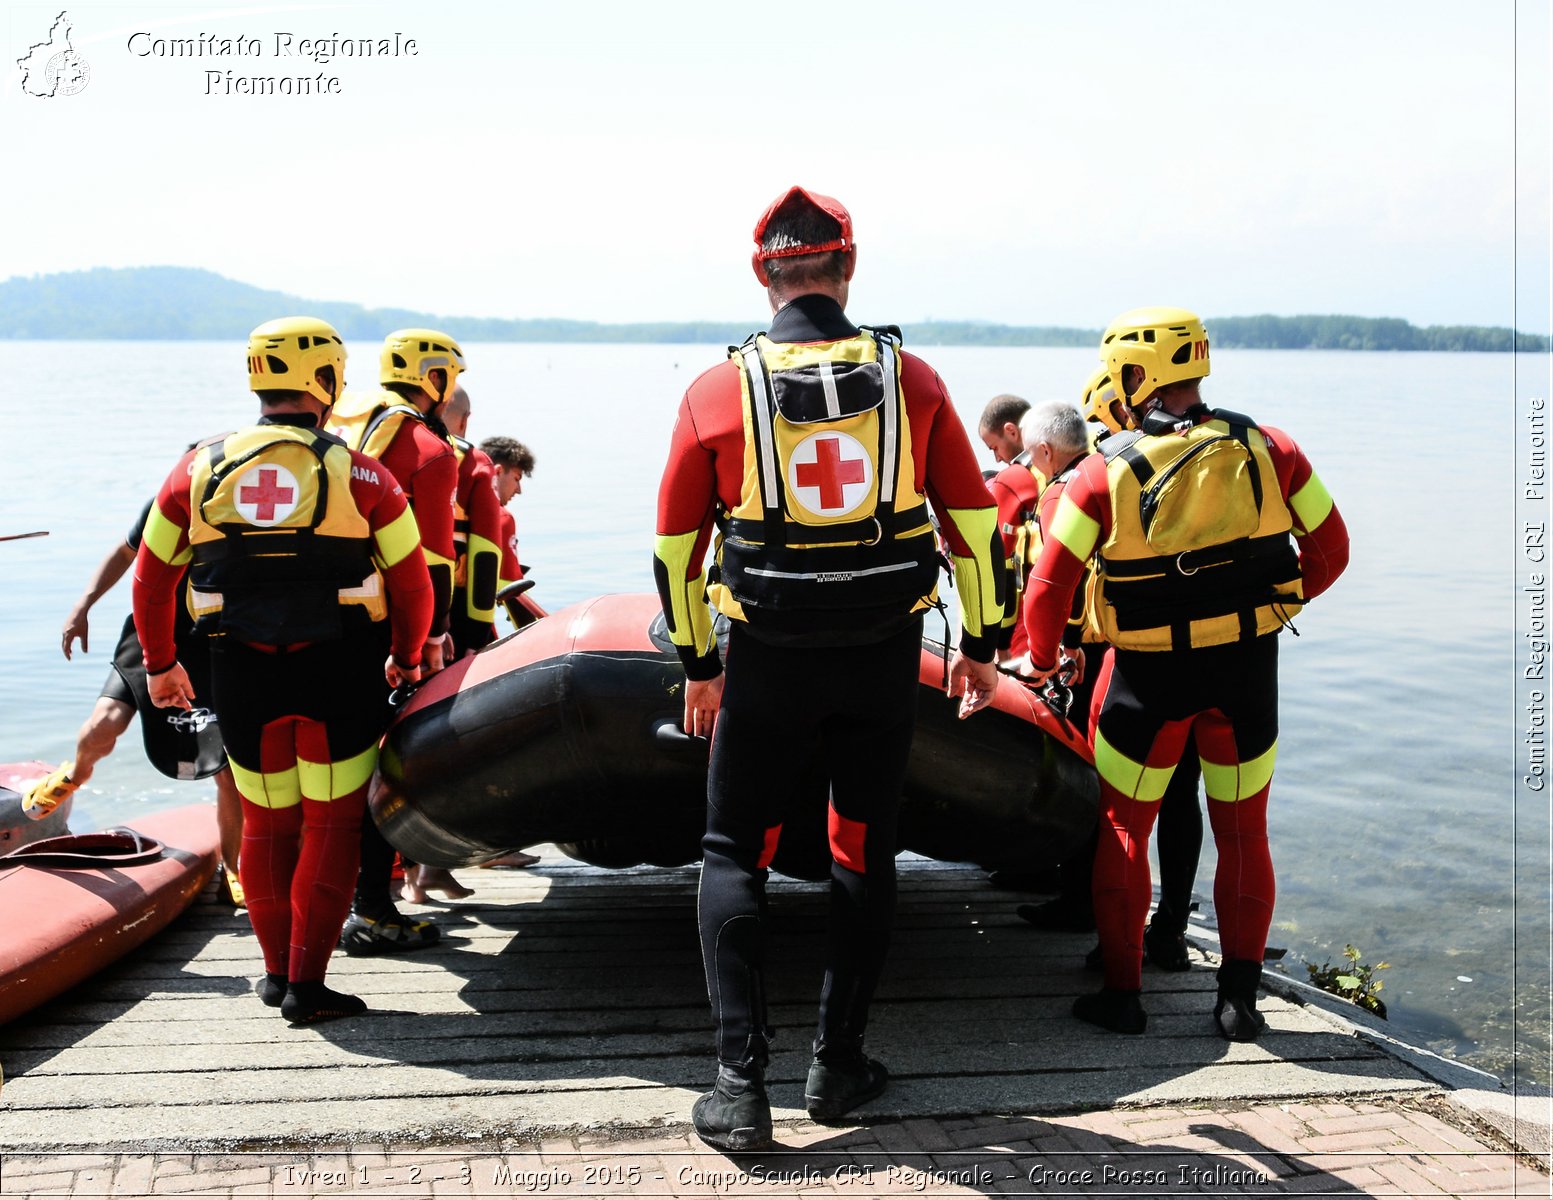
(183, 303)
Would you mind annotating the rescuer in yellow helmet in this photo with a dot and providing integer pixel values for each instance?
(400, 424)
(304, 559)
(1209, 533)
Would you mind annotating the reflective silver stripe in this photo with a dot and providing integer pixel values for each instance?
(369, 588)
(760, 405)
(204, 602)
(828, 382)
(833, 575)
(890, 444)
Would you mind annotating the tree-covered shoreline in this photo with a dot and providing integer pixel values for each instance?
(183, 303)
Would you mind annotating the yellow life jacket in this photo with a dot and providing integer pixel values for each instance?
(828, 516)
(1028, 539)
(1199, 552)
(1082, 625)
(476, 559)
(1024, 528)
(368, 420)
(279, 547)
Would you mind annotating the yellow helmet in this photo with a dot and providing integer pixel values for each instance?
(1100, 401)
(285, 355)
(1169, 344)
(410, 354)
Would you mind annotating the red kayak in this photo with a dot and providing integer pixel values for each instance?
(76, 903)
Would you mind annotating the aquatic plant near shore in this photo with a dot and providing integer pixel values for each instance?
(1355, 981)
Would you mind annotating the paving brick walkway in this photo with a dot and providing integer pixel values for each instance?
(1388, 1147)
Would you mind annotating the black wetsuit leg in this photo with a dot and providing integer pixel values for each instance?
(118, 685)
(850, 709)
(1077, 869)
(1178, 838)
(867, 751)
(373, 898)
(468, 633)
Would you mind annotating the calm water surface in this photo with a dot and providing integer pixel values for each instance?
(1394, 812)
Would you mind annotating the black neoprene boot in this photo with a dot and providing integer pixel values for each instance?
(1164, 941)
(841, 1077)
(735, 1115)
(311, 1003)
(1235, 1012)
(1116, 1009)
(1061, 915)
(272, 989)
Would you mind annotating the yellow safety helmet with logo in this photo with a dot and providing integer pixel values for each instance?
(1169, 344)
(410, 355)
(1100, 401)
(285, 355)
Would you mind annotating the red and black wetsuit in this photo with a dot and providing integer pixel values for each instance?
(427, 469)
(1225, 695)
(1179, 838)
(1016, 490)
(511, 568)
(301, 720)
(424, 463)
(828, 697)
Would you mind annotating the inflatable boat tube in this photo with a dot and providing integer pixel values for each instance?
(568, 731)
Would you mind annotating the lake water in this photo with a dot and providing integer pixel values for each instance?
(1394, 814)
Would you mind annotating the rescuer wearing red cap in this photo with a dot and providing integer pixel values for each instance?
(825, 562)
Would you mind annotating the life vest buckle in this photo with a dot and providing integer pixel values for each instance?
(1181, 564)
(878, 533)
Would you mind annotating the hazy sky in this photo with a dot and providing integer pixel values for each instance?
(1030, 162)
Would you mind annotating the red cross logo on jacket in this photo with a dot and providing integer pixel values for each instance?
(267, 495)
(830, 473)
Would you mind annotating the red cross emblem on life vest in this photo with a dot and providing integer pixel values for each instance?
(267, 495)
(830, 473)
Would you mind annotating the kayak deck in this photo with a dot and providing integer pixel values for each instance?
(95, 898)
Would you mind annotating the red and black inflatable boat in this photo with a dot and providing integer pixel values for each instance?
(568, 731)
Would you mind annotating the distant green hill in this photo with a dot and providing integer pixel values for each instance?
(1363, 333)
(176, 303)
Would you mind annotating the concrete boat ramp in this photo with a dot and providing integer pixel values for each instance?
(562, 1025)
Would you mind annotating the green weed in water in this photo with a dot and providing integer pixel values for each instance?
(1354, 981)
